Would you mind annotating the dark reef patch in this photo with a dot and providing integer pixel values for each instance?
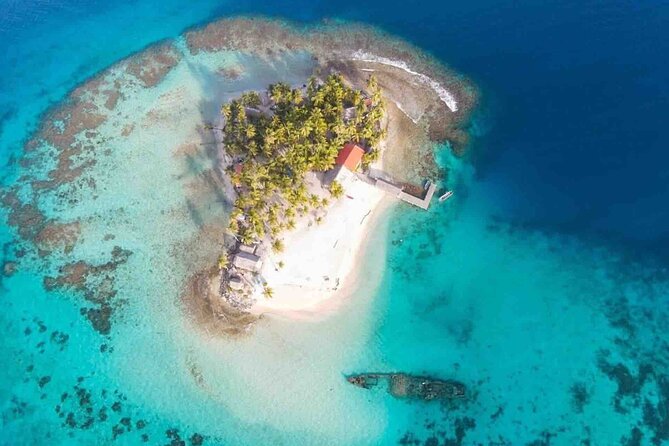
(628, 393)
(634, 438)
(43, 381)
(113, 96)
(25, 217)
(580, 396)
(82, 407)
(176, 439)
(14, 409)
(9, 268)
(62, 124)
(96, 283)
(441, 435)
(99, 317)
(544, 440)
(656, 417)
(32, 225)
(71, 163)
(56, 235)
(153, 64)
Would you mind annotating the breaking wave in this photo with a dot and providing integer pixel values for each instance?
(443, 94)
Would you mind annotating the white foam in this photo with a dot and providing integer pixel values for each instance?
(399, 106)
(443, 94)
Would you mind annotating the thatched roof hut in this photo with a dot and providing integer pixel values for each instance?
(247, 261)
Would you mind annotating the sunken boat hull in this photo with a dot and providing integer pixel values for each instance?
(403, 385)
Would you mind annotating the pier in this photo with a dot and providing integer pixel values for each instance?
(414, 195)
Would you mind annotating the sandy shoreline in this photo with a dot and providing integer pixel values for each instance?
(143, 99)
(313, 301)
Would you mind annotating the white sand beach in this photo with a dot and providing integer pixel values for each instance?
(320, 260)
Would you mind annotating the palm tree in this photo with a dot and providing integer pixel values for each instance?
(304, 134)
(277, 245)
(336, 189)
(267, 292)
(223, 261)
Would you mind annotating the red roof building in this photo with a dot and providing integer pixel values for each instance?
(350, 156)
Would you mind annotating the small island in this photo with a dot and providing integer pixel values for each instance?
(239, 170)
(291, 154)
(177, 215)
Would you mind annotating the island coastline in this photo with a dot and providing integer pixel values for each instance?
(68, 160)
(305, 303)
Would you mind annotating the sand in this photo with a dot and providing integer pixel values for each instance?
(320, 261)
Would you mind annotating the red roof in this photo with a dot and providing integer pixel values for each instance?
(350, 156)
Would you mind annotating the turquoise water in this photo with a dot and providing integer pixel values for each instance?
(552, 333)
(542, 285)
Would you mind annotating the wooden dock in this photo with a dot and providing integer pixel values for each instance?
(422, 203)
(381, 180)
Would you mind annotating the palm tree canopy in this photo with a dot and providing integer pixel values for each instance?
(305, 133)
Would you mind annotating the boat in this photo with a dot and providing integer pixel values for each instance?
(446, 196)
(427, 184)
(403, 385)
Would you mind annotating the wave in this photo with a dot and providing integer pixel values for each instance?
(443, 94)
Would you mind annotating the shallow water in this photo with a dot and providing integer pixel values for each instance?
(542, 284)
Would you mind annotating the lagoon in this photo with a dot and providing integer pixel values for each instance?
(542, 284)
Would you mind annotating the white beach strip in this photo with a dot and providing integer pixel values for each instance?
(321, 261)
(443, 94)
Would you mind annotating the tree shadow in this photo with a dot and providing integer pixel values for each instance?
(207, 164)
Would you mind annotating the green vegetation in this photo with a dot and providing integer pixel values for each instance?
(304, 132)
(223, 262)
(336, 189)
(277, 245)
(268, 292)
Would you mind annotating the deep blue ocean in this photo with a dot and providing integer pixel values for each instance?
(568, 196)
(573, 92)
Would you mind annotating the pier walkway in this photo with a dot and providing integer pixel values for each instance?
(385, 183)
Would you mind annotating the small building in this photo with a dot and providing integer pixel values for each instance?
(265, 100)
(236, 283)
(349, 113)
(252, 112)
(247, 261)
(251, 249)
(347, 162)
(350, 156)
